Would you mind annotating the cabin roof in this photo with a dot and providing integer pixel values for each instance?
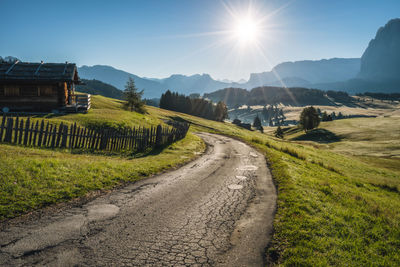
(38, 72)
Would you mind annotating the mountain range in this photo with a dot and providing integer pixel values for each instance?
(287, 74)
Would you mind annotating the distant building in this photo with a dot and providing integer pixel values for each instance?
(40, 87)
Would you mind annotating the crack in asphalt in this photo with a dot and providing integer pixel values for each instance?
(203, 214)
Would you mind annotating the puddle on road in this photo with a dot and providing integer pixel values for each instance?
(101, 211)
(241, 177)
(254, 155)
(235, 186)
(219, 156)
(248, 168)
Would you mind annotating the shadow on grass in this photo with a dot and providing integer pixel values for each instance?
(125, 154)
(319, 135)
(180, 119)
(177, 118)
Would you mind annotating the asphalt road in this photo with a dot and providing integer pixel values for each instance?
(215, 211)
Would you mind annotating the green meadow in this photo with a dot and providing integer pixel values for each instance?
(337, 205)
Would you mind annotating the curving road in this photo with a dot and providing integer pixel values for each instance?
(215, 211)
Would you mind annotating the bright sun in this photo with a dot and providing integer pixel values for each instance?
(246, 30)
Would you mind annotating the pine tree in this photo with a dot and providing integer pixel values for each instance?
(133, 98)
(257, 124)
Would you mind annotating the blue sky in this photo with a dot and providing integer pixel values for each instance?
(159, 38)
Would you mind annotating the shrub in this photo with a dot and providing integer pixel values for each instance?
(309, 118)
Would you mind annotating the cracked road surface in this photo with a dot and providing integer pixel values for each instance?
(215, 211)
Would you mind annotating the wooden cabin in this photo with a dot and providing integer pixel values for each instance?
(38, 87)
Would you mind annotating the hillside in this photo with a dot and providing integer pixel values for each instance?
(96, 87)
(268, 95)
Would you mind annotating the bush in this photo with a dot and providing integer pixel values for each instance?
(309, 118)
(279, 132)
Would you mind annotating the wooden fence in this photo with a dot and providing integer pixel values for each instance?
(45, 134)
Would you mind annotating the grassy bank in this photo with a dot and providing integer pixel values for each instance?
(32, 178)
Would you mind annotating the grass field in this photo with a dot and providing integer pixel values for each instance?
(334, 208)
(375, 141)
(364, 108)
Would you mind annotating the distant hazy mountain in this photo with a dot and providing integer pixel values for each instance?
(381, 60)
(152, 87)
(226, 81)
(307, 72)
(292, 74)
(96, 87)
(118, 78)
(193, 84)
(380, 64)
(290, 82)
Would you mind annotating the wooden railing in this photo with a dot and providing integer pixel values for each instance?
(81, 102)
(45, 134)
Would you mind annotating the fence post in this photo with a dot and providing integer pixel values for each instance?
(30, 129)
(41, 134)
(9, 128)
(59, 134)
(158, 135)
(46, 132)
(16, 130)
(2, 127)
(21, 131)
(64, 136)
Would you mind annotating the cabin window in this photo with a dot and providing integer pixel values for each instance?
(46, 90)
(28, 90)
(11, 90)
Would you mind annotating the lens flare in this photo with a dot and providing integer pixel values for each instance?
(246, 30)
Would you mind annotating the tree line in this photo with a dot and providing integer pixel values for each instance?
(193, 106)
(382, 96)
(273, 115)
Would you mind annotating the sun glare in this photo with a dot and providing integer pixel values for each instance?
(246, 30)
